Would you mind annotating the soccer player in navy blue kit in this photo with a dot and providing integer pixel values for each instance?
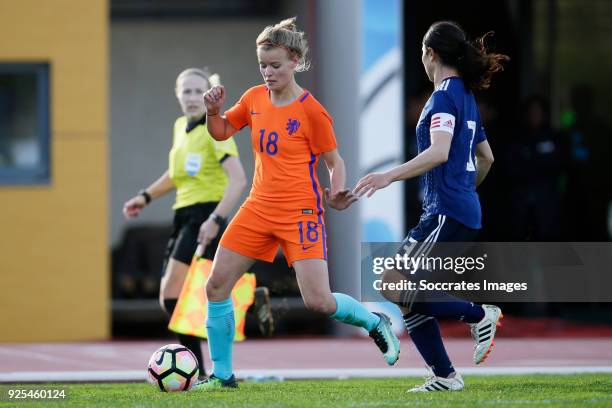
(454, 158)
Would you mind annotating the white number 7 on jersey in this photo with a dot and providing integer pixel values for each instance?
(470, 164)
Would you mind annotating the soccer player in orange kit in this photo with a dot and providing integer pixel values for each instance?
(290, 131)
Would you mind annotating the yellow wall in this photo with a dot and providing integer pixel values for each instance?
(54, 275)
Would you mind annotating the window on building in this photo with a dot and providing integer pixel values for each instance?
(24, 124)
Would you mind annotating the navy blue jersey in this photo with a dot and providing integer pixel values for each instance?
(450, 188)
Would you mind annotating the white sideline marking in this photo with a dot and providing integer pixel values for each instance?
(295, 374)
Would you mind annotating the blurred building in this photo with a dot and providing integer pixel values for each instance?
(87, 106)
(54, 170)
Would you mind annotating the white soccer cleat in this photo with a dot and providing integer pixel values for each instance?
(433, 383)
(483, 332)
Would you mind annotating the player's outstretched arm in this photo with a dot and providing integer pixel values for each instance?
(429, 158)
(338, 197)
(218, 127)
(158, 188)
(484, 161)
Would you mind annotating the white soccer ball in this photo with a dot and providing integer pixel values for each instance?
(172, 367)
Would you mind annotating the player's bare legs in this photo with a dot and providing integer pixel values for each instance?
(227, 268)
(172, 281)
(313, 280)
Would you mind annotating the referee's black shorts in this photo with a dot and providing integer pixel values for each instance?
(186, 227)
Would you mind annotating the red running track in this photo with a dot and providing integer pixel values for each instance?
(315, 353)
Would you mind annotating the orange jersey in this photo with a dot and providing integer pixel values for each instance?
(287, 142)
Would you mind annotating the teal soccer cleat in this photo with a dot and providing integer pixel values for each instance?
(385, 339)
(213, 383)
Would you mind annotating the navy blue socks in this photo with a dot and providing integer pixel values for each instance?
(425, 334)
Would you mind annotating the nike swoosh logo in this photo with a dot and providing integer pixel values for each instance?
(161, 357)
(254, 113)
(306, 248)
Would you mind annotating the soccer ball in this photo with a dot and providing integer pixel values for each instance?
(172, 367)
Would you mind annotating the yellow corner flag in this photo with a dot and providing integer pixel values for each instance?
(189, 315)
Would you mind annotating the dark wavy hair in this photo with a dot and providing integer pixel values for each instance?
(475, 63)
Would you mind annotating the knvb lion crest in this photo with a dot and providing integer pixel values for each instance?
(292, 126)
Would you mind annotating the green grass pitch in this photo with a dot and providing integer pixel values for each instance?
(592, 390)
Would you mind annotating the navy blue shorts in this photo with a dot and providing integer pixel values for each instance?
(425, 240)
(440, 228)
(421, 239)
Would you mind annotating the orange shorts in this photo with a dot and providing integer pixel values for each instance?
(257, 235)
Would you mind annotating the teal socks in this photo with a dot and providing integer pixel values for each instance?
(350, 311)
(221, 327)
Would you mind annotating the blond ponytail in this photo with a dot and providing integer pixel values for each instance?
(286, 35)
